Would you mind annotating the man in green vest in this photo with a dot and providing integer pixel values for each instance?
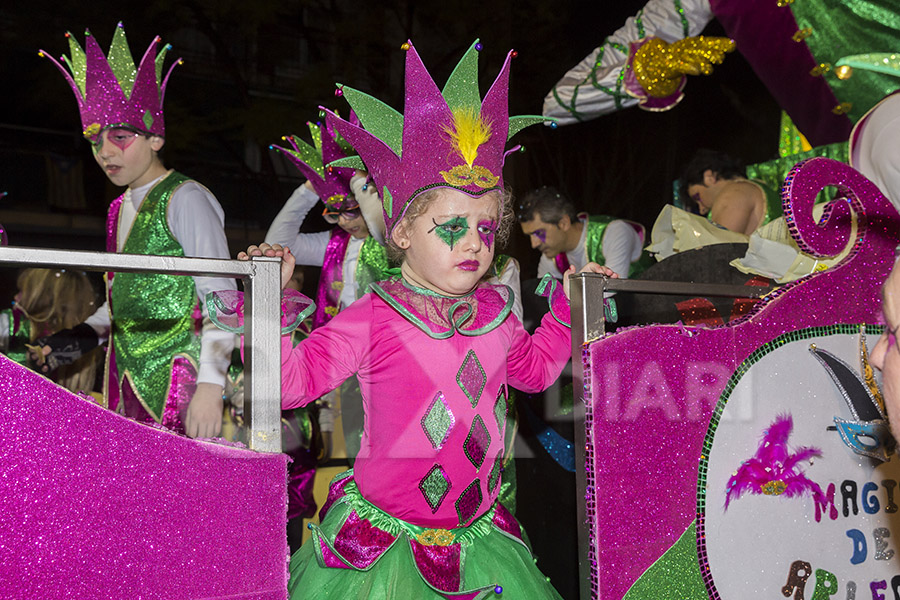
(568, 238)
(166, 363)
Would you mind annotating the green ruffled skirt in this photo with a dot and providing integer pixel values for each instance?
(360, 551)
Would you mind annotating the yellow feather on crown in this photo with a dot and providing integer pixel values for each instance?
(469, 132)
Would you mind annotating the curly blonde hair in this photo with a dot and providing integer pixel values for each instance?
(420, 205)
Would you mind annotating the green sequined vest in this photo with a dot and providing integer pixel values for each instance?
(153, 312)
(371, 266)
(593, 245)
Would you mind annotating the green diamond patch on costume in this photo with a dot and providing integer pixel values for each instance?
(438, 421)
(477, 442)
(148, 119)
(468, 502)
(471, 378)
(435, 487)
(501, 408)
(494, 477)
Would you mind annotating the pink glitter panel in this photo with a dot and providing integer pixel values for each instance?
(468, 502)
(505, 521)
(331, 560)
(439, 565)
(93, 505)
(360, 543)
(181, 389)
(477, 442)
(662, 382)
(335, 492)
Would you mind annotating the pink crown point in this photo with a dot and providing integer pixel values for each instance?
(110, 91)
(331, 184)
(445, 138)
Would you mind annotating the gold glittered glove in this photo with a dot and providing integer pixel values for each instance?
(659, 66)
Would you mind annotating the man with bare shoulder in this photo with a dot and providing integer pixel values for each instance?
(719, 186)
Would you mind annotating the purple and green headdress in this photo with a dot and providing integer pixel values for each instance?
(112, 92)
(450, 138)
(332, 184)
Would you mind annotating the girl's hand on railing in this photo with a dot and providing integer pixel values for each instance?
(287, 259)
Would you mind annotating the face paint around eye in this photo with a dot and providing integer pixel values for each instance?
(450, 231)
(122, 138)
(118, 137)
(540, 234)
(487, 230)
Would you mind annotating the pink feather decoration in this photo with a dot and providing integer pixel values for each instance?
(773, 470)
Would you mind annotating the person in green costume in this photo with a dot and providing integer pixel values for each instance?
(566, 237)
(165, 365)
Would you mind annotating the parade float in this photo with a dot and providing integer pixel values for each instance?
(753, 459)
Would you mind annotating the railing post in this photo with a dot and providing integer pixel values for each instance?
(588, 324)
(262, 356)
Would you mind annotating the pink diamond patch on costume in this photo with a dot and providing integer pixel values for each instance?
(435, 487)
(471, 378)
(477, 442)
(501, 408)
(360, 543)
(439, 565)
(438, 421)
(468, 502)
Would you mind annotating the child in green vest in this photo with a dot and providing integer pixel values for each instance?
(165, 364)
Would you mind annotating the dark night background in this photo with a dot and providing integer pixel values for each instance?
(255, 71)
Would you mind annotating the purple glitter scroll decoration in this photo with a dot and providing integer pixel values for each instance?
(660, 383)
(93, 505)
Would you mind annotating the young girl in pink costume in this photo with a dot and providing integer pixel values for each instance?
(435, 352)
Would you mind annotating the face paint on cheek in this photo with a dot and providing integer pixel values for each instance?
(450, 231)
(487, 230)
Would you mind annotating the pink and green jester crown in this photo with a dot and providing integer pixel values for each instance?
(112, 92)
(332, 184)
(448, 138)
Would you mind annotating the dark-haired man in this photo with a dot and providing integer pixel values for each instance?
(566, 237)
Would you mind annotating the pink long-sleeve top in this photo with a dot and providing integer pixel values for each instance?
(434, 393)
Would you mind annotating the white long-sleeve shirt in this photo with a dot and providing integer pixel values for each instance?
(596, 88)
(309, 248)
(197, 223)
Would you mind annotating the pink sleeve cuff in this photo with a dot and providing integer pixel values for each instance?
(226, 310)
(552, 289)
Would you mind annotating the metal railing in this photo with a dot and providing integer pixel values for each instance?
(588, 325)
(261, 277)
